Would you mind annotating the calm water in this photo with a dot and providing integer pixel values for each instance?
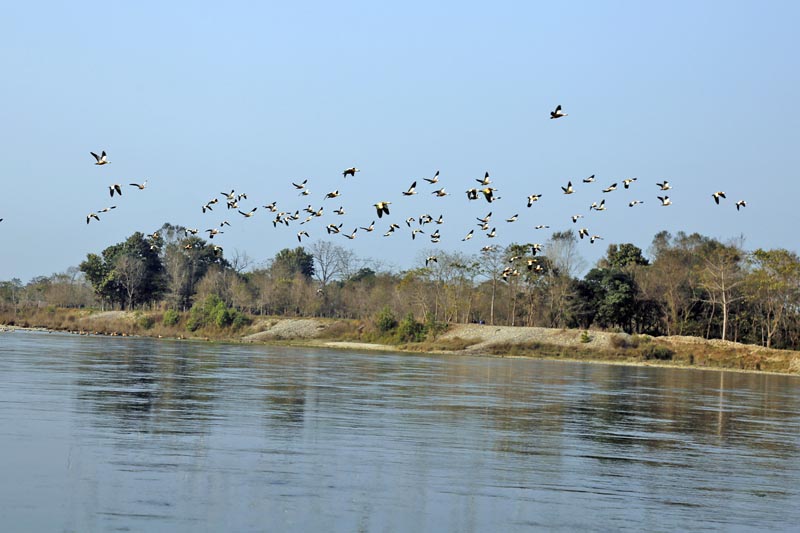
(103, 434)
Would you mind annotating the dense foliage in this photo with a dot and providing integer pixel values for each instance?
(686, 285)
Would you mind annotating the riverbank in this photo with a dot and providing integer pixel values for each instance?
(472, 339)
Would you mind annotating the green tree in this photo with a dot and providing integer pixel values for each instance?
(287, 263)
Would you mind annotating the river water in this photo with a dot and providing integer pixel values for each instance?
(125, 434)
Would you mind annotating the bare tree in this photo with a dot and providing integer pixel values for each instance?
(721, 275)
(130, 272)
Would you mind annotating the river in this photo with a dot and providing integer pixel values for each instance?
(133, 434)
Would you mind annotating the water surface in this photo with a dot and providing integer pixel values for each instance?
(104, 434)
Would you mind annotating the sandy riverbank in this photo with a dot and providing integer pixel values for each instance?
(472, 339)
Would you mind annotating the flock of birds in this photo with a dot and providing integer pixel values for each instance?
(416, 225)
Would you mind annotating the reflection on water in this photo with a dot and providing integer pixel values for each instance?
(101, 434)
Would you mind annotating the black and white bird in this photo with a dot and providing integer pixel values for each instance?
(89, 217)
(594, 238)
(440, 192)
(472, 194)
(740, 203)
(101, 159)
(575, 218)
(612, 187)
(590, 179)
(583, 232)
(664, 185)
(300, 186)
(598, 207)
(369, 228)
(140, 186)
(249, 213)
(431, 259)
(106, 209)
(382, 207)
(434, 179)
(469, 235)
(339, 211)
(512, 218)
(533, 198)
(332, 194)
(627, 182)
(665, 201)
(557, 113)
(541, 226)
(350, 171)
(301, 234)
(116, 188)
(635, 202)
(352, 235)
(485, 180)
(488, 193)
(411, 190)
(717, 195)
(568, 189)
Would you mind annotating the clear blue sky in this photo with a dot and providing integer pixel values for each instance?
(202, 97)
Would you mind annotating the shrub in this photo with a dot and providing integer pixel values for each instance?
(145, 322)
(433, 328)
(585, 337)
(240, 321)
(655, 351)
(171, 318)
(409, 330)
(385, 321)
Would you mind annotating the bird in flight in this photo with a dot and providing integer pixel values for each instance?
(440, 192)
(740, 203)
(598, 207)
(301, 234)
(350, 171)
(101, 159)
(488, 193)
(369, 228)
(612, 187)
(627, 182)
(664, 185)
(485, 180)
(300, 186)
(411, 190)
(382, 207)
(472, 194)
(568, 189)
(557, 113)
(665, 201)
(434, 179)
(469, 235)
(249, 213)
(115, 188)
(717, 195)
(590, 179)
(89, 217)
(332, 194)
(141, 186)
(635, 202)
(106, 209)
(431, 259)
(533, 198)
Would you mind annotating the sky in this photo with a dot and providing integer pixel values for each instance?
(200, 98)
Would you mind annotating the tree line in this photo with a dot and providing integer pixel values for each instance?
(688, 284)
